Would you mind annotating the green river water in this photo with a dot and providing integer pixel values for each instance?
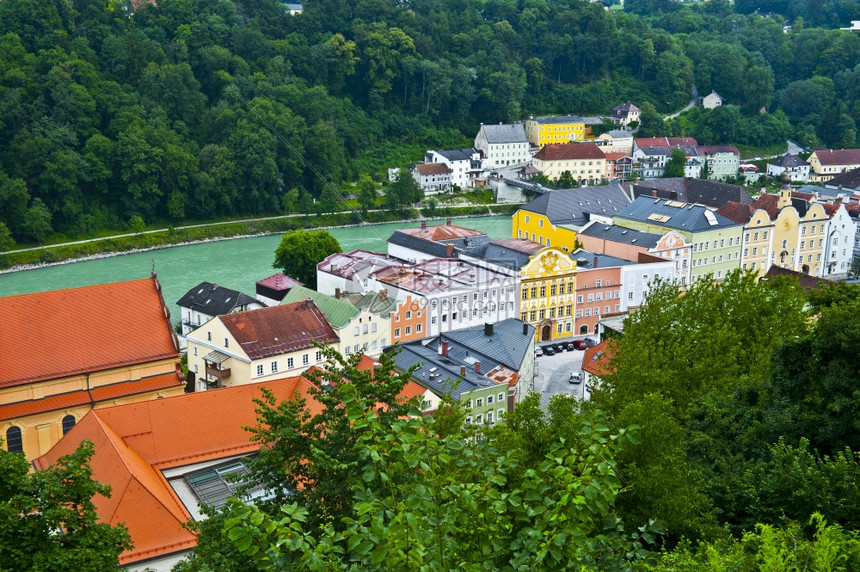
(236, 263)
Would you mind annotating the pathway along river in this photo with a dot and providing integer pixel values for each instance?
(236, 263)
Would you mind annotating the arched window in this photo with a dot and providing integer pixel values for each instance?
(68, 423)
(14, 443)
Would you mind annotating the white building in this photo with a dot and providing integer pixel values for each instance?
(350, 271)
(457, 294)
(503, 144)
(465, 164)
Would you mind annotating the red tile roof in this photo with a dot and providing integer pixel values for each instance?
(596, 360)
(55, 334)
(738, 212)
(75, 398)
(838, 156)
(767, 203)
(279, 281)
(410, 390)
(280, 329)
(615, 156)
(569, 151)
(433, 168)
(519, 245)
(643, 142)
(135, 442)
(441, 232)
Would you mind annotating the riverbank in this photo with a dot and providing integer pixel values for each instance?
(197, 234)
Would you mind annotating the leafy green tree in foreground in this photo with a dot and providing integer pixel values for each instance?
(403, 191)
(301, 250)
(675, 164)
(418, 500)
(48, 520)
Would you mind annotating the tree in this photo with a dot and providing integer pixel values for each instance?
(366, 193)
(48, 520)
(403, 191)
(38, 223)
(675, 164)
(301, 250)
(6, 240)
(707, 340)
(421, 500)
(566, 180)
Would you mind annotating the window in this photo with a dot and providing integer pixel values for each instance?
(540, 223)
(355, 331)
(587, 312)
(489, 400)
(591, 297)
(542, 314)
(433, 320)
(417, 330)
(355, 348)
(479, 419)
(598, 296)
(552, 290)
(500, 398)
(527, 219)
(569, 309)
(479, 402)
(196, 368)
(570, 287)
(68, 423)
(209, 336)
(373, 327)
(532, 316)
(468, 420)
(274, 367)
(14, 443)
(499, 414)
(579, 299)
(396, 332)
(319, 356)
(524, 316)
(542, 291)
(534, 291)
(259, 369)
(408, 330)
(579, 313)
(552, 312)
(226, 343)
(598, 283)
(408, 314)
(306, 357)
(489, 416)
(525, 293)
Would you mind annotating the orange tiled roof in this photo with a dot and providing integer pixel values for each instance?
(738, 212)
(55, 334)
(441, 232)
(410, 390)
(767, 203)
(279, 329)
(596, 360)
(135, 442)
(433, 168)
(75, 398)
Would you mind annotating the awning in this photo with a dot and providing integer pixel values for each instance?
(215, 357)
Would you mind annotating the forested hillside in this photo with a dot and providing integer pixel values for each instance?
(194, 109)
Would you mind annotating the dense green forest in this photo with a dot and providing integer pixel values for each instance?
(201, 109)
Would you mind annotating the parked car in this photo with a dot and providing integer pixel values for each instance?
(568, 346)
(548, 351)
(559, 347)
(538, 351)
(579, 344)
(590, 342)
(575, 378)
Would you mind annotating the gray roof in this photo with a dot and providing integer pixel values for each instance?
(560, 119)
(586, 260)
(458, 154)
(681, 216)
(620, 234)
(507, 346)
(618, 133)
(505, 133)
(213, 300)
(688, 190)
(439, 248)
(501, 256)
(790, 162)
(574, 206)
(592, 120)
(847, 180)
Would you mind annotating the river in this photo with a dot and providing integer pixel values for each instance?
(236, 263)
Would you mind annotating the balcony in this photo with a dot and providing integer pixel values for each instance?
(218, 373)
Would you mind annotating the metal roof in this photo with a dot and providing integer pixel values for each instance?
(505, 133)
(679, 216)
(337, 312)
(620, 234)
(574, 206)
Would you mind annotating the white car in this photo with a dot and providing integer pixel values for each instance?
(575, 378)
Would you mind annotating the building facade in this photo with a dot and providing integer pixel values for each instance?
(557, 129)
(503, 145)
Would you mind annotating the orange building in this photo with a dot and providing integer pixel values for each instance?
(66, 352)
(409, 321)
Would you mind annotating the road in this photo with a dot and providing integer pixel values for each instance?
(553, 372)
(695, 99)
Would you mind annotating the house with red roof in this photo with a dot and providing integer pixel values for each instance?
(66, 352)
(597, 362)
(432, 177)
(257, 345)
(586, 162)
(827, 163)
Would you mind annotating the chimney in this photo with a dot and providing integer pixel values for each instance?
(488, 329)
(595, 262)
(477, 367)
(337, 293)
(423, 224)
(462, 371)
(439, 348)
(383, 294)
(653, 192)
(525, 329)
(445, 349)
(449, 250)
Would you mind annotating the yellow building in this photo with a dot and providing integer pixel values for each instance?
(561, 129)
(66, 352)
(547, 293)
(824, 164)
(258, 345)
(554, 218)
(585, 162)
